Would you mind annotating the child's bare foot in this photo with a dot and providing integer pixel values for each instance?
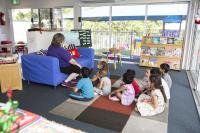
(114, 98)
(136, 109)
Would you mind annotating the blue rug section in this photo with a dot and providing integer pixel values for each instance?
(183, 115)
(40, 99)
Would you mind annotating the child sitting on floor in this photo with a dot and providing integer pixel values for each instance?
(143, 83)
(154, 102)
(135, 85)
(103, 70)
(164, 68)
(84, 89)
(126, 92)
(104, 87)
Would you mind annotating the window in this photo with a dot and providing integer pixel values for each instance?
(166, 16)
(68, 18)
(95, 18)
(21, 22)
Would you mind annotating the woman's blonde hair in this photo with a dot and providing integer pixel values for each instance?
(58, 39)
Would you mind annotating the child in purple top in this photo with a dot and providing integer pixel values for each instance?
(67, 64)
(126, 93)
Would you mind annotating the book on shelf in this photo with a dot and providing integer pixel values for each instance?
(153, 51)
(148, 40)
(170, 33)
(173, 53)
(145, 50)
(24, 118)
(156, 40)
(160, 51)
(170, 40)
(163, 40)
(153, 62)
(178, 41)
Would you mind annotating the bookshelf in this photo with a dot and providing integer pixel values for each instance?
(156, 50)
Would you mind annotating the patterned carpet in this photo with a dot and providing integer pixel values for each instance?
(111, 115)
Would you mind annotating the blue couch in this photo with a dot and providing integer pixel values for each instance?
(45, 69)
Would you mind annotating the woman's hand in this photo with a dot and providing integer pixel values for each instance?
(74, 62)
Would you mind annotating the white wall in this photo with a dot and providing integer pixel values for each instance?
(5, 30)
(44, 3)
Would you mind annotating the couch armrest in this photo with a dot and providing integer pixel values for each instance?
(42, 69)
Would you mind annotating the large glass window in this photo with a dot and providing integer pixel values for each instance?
(97, 19)
(166, 16)
(195, 57)
(21, 22)
(127, 25)
(68, 18)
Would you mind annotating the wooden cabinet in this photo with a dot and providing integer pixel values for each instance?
(10, 76)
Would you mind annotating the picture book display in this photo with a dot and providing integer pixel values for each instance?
(156, 50)
(24, 118)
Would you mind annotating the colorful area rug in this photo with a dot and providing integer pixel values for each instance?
(45, 126)
(112, 115)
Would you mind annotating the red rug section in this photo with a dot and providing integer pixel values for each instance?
(104, 103)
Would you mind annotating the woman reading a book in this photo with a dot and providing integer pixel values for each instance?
(67, 64)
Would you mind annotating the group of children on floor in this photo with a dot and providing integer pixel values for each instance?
(150, 93)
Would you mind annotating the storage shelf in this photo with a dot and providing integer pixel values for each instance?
(150, 53)
(6, 45)
(174, 57)
(161, 45)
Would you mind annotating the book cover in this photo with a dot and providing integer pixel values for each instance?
(170, 33)
(153, 51)
(170, 40)
(156, 40)
(145, 50)
(177, 52)
(160, 51)
(169, 53)
(24, 118)
(148, 40)
(178, 41)
(163, 40)
(153, 62)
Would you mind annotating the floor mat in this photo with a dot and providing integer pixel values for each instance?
(105, 104)
(111, 115)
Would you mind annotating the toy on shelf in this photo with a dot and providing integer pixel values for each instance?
(6, 48)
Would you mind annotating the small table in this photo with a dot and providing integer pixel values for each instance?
(10, 76)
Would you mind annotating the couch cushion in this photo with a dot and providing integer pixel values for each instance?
(84, 62)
